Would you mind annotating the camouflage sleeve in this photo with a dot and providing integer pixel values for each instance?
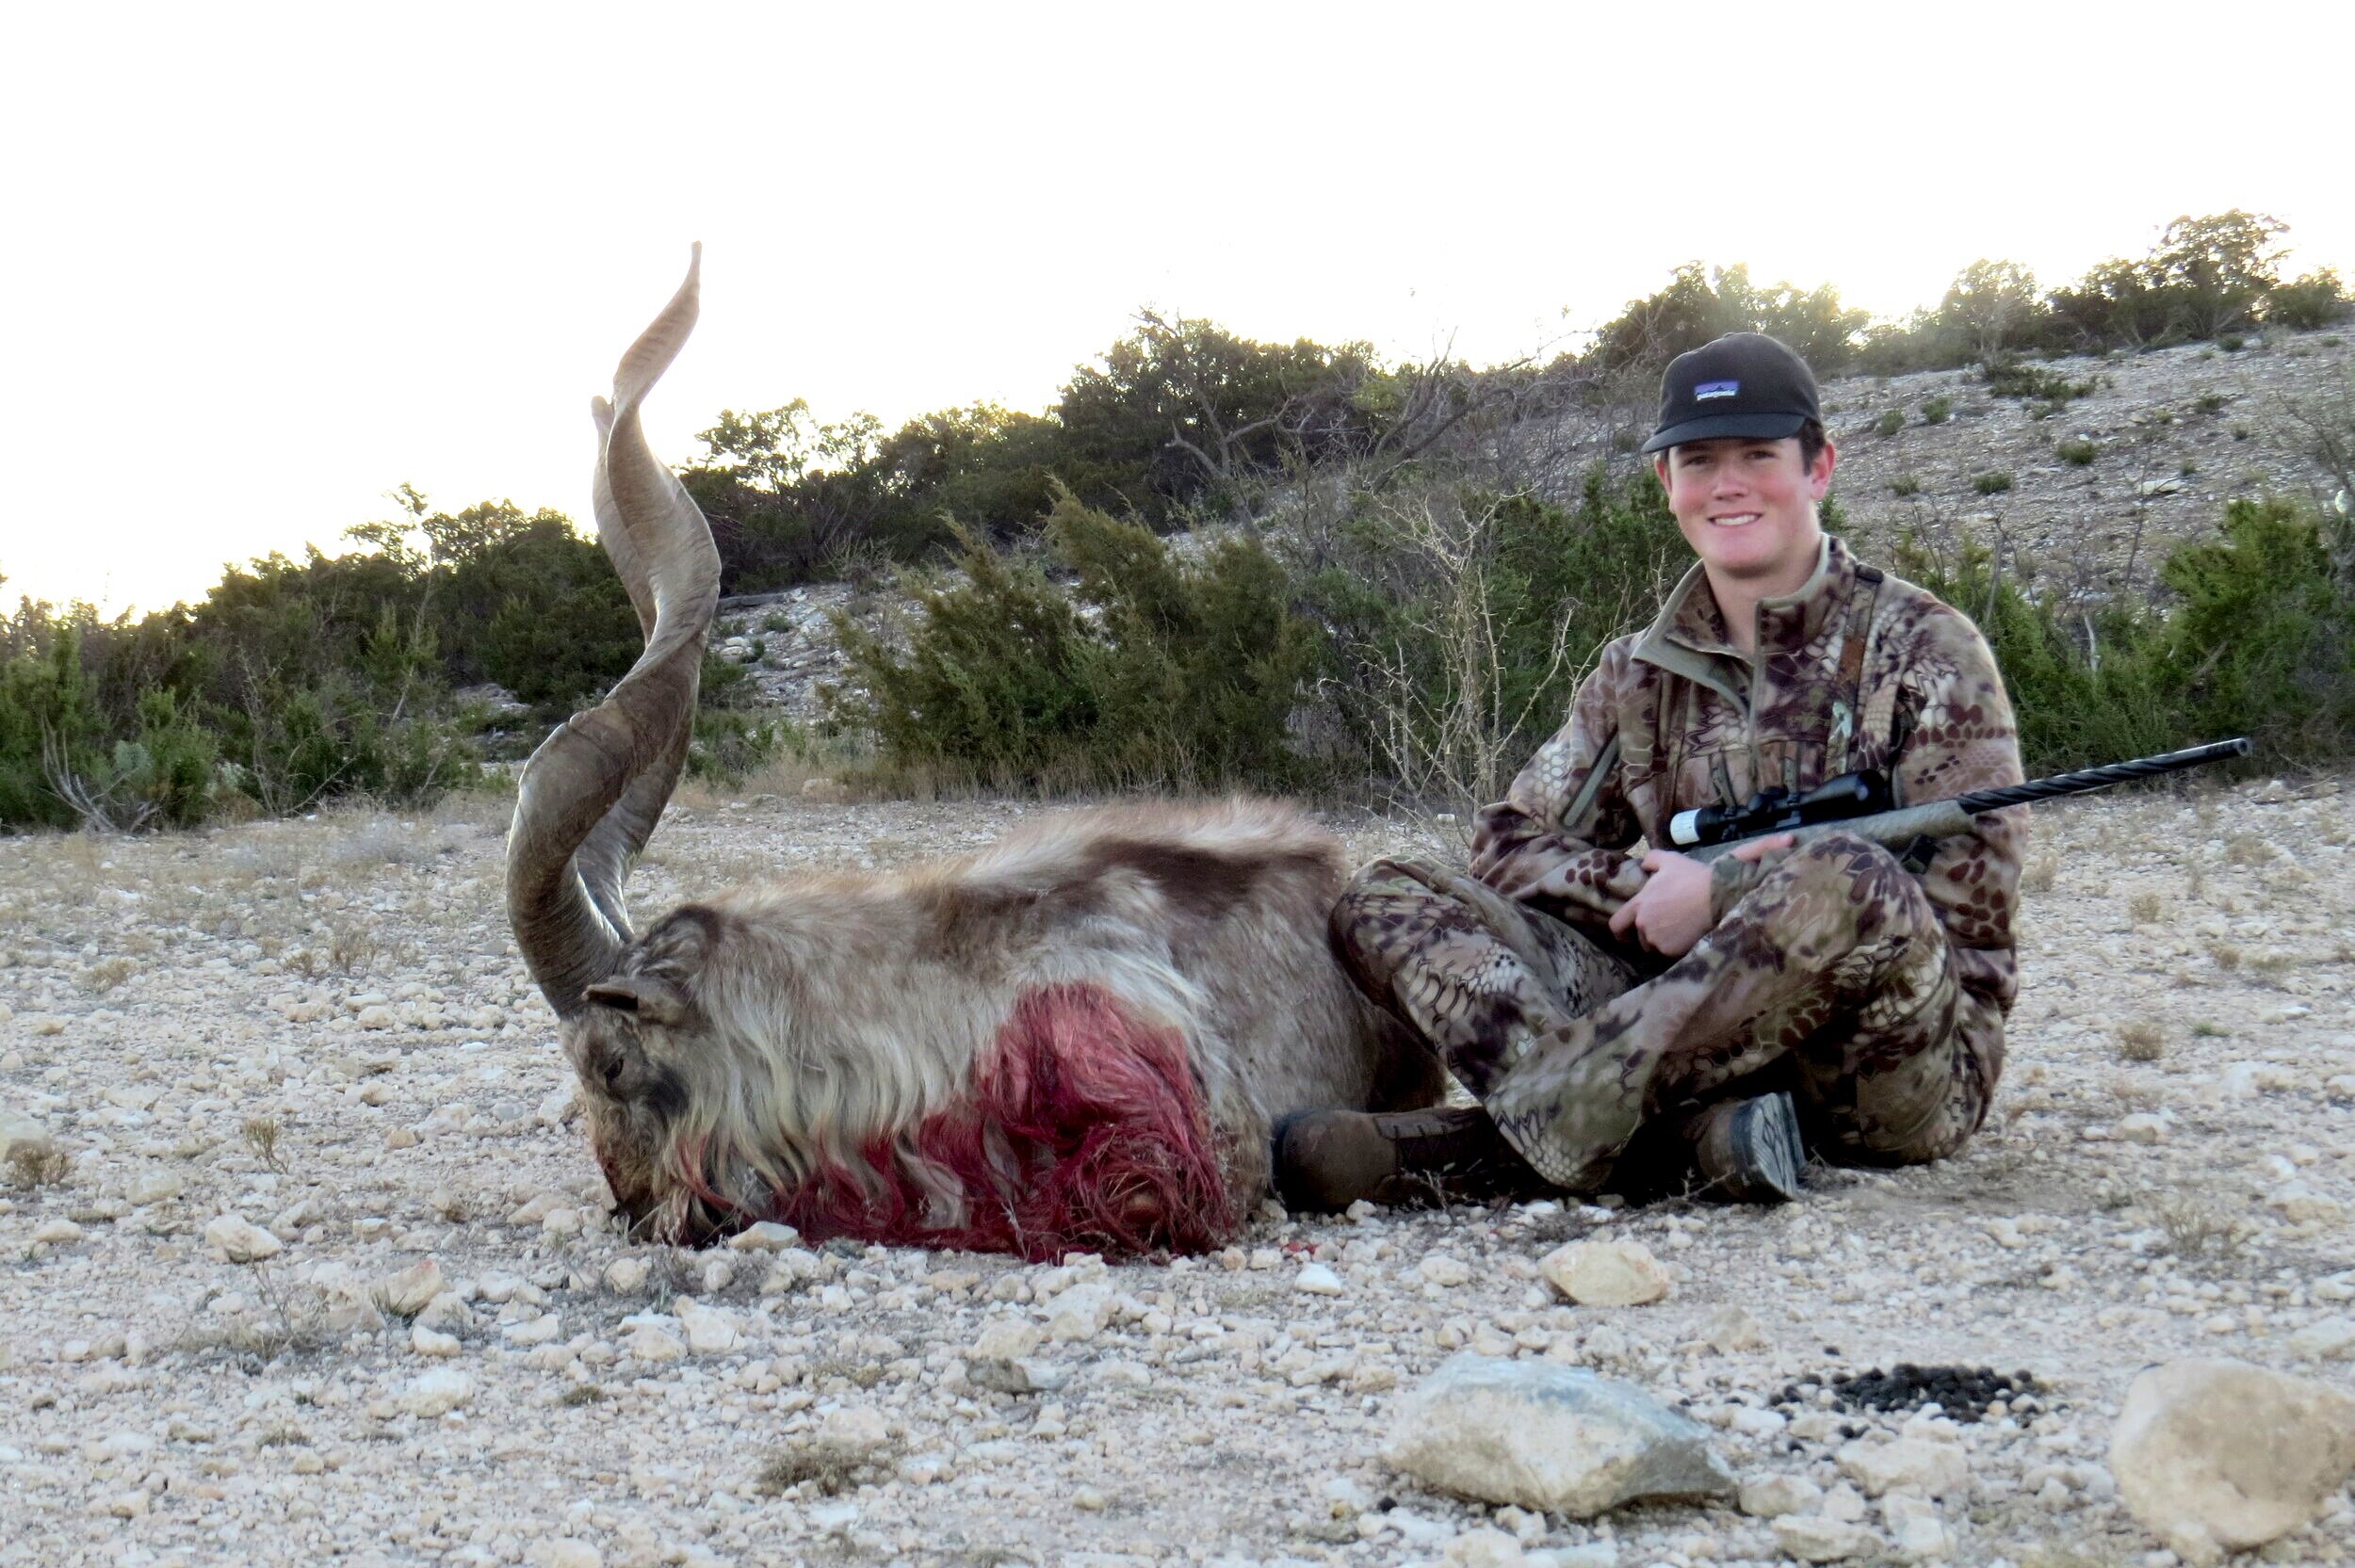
(1557, 840)
(1957, 735)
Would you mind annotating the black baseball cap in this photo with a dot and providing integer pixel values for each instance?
(1743, 384)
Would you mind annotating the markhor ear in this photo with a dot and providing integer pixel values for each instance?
(641, 997)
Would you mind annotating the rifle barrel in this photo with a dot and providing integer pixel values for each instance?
(2100, 778)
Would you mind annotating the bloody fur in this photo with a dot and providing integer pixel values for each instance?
(1084, 1129)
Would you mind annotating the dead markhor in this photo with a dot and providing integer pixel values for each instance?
(1078, 1039)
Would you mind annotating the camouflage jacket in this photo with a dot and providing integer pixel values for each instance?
(1857, 669)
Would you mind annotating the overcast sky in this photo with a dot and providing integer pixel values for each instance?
(265, 264)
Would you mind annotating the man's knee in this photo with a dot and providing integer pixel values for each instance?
(1377, 914)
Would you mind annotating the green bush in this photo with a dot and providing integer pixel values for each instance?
(1995, 483)
(2259, 639)
(1906, 486)
(1150, 668)
(1938, 409)
(2076, 451)
(1889, 424)
(2034, 384)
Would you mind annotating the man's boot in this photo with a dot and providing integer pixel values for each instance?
(1750, 1151)
(1328, 1160)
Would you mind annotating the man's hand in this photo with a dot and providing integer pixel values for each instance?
(1670, 912)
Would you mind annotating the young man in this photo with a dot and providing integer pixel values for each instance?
(1640, 1021)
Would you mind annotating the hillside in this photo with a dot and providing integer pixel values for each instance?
(2174, 434)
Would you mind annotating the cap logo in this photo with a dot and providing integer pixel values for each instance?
(1708, 390)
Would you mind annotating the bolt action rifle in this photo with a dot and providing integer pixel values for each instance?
(1863, 804)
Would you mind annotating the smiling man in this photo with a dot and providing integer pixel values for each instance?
(1646, 1022)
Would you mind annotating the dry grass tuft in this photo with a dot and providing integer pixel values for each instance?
(351, 947)
(39, 1168)
(2226, 955)
(2247, 850)
(2144, 909)
(104, 975)
(2272, 963)
(261, 1135)
(2193, 1227)
(820, 1467)
(2040, 874)
(2141, 1041)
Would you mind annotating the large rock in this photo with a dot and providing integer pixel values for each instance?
(1938, 1469)
(1814, 1539)
(436, 1393)
(408, 1292)
(239, 1241)
(23, 1137)
(2219, 1456)
(1605, 1273)
(1545, 1436)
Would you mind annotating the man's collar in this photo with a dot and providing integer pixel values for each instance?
(1690, 623)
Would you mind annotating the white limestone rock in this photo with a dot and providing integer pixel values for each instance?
(2218, 1456)
(407, 1292)
(240, 1240)
(1938, 1469)
(1545, 1436)
(1812, 1538)
(436, 1393)
(1606, 1273)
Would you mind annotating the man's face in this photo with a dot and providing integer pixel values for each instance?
(1747, 506)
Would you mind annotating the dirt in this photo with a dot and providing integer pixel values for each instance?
(321, 1027)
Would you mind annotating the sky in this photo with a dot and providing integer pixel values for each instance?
(263, 264)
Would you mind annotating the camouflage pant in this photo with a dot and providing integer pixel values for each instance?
(1831, 978)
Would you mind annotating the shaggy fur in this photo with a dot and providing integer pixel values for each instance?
(1081, 1037)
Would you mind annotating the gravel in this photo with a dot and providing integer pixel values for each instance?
(566, 1396)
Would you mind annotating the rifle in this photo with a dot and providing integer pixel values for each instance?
(1863, 803)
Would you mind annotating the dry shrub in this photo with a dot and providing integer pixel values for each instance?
(104, 975)
(2141, 1041)
(2192, 1227)
(820, 1466)
(352, 949)
(2040, 873)
(38, 1168)
(2144, 909)
(2226, 955)
(2247, 850)
(261, 1135)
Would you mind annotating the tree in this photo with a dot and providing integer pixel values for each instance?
(2217, 270)
(1700, 303)
(1992, 306)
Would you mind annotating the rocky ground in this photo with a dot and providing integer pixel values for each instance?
(310, 1044)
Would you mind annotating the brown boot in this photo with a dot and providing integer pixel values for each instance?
(1328, 1160)
(1750, 1151)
